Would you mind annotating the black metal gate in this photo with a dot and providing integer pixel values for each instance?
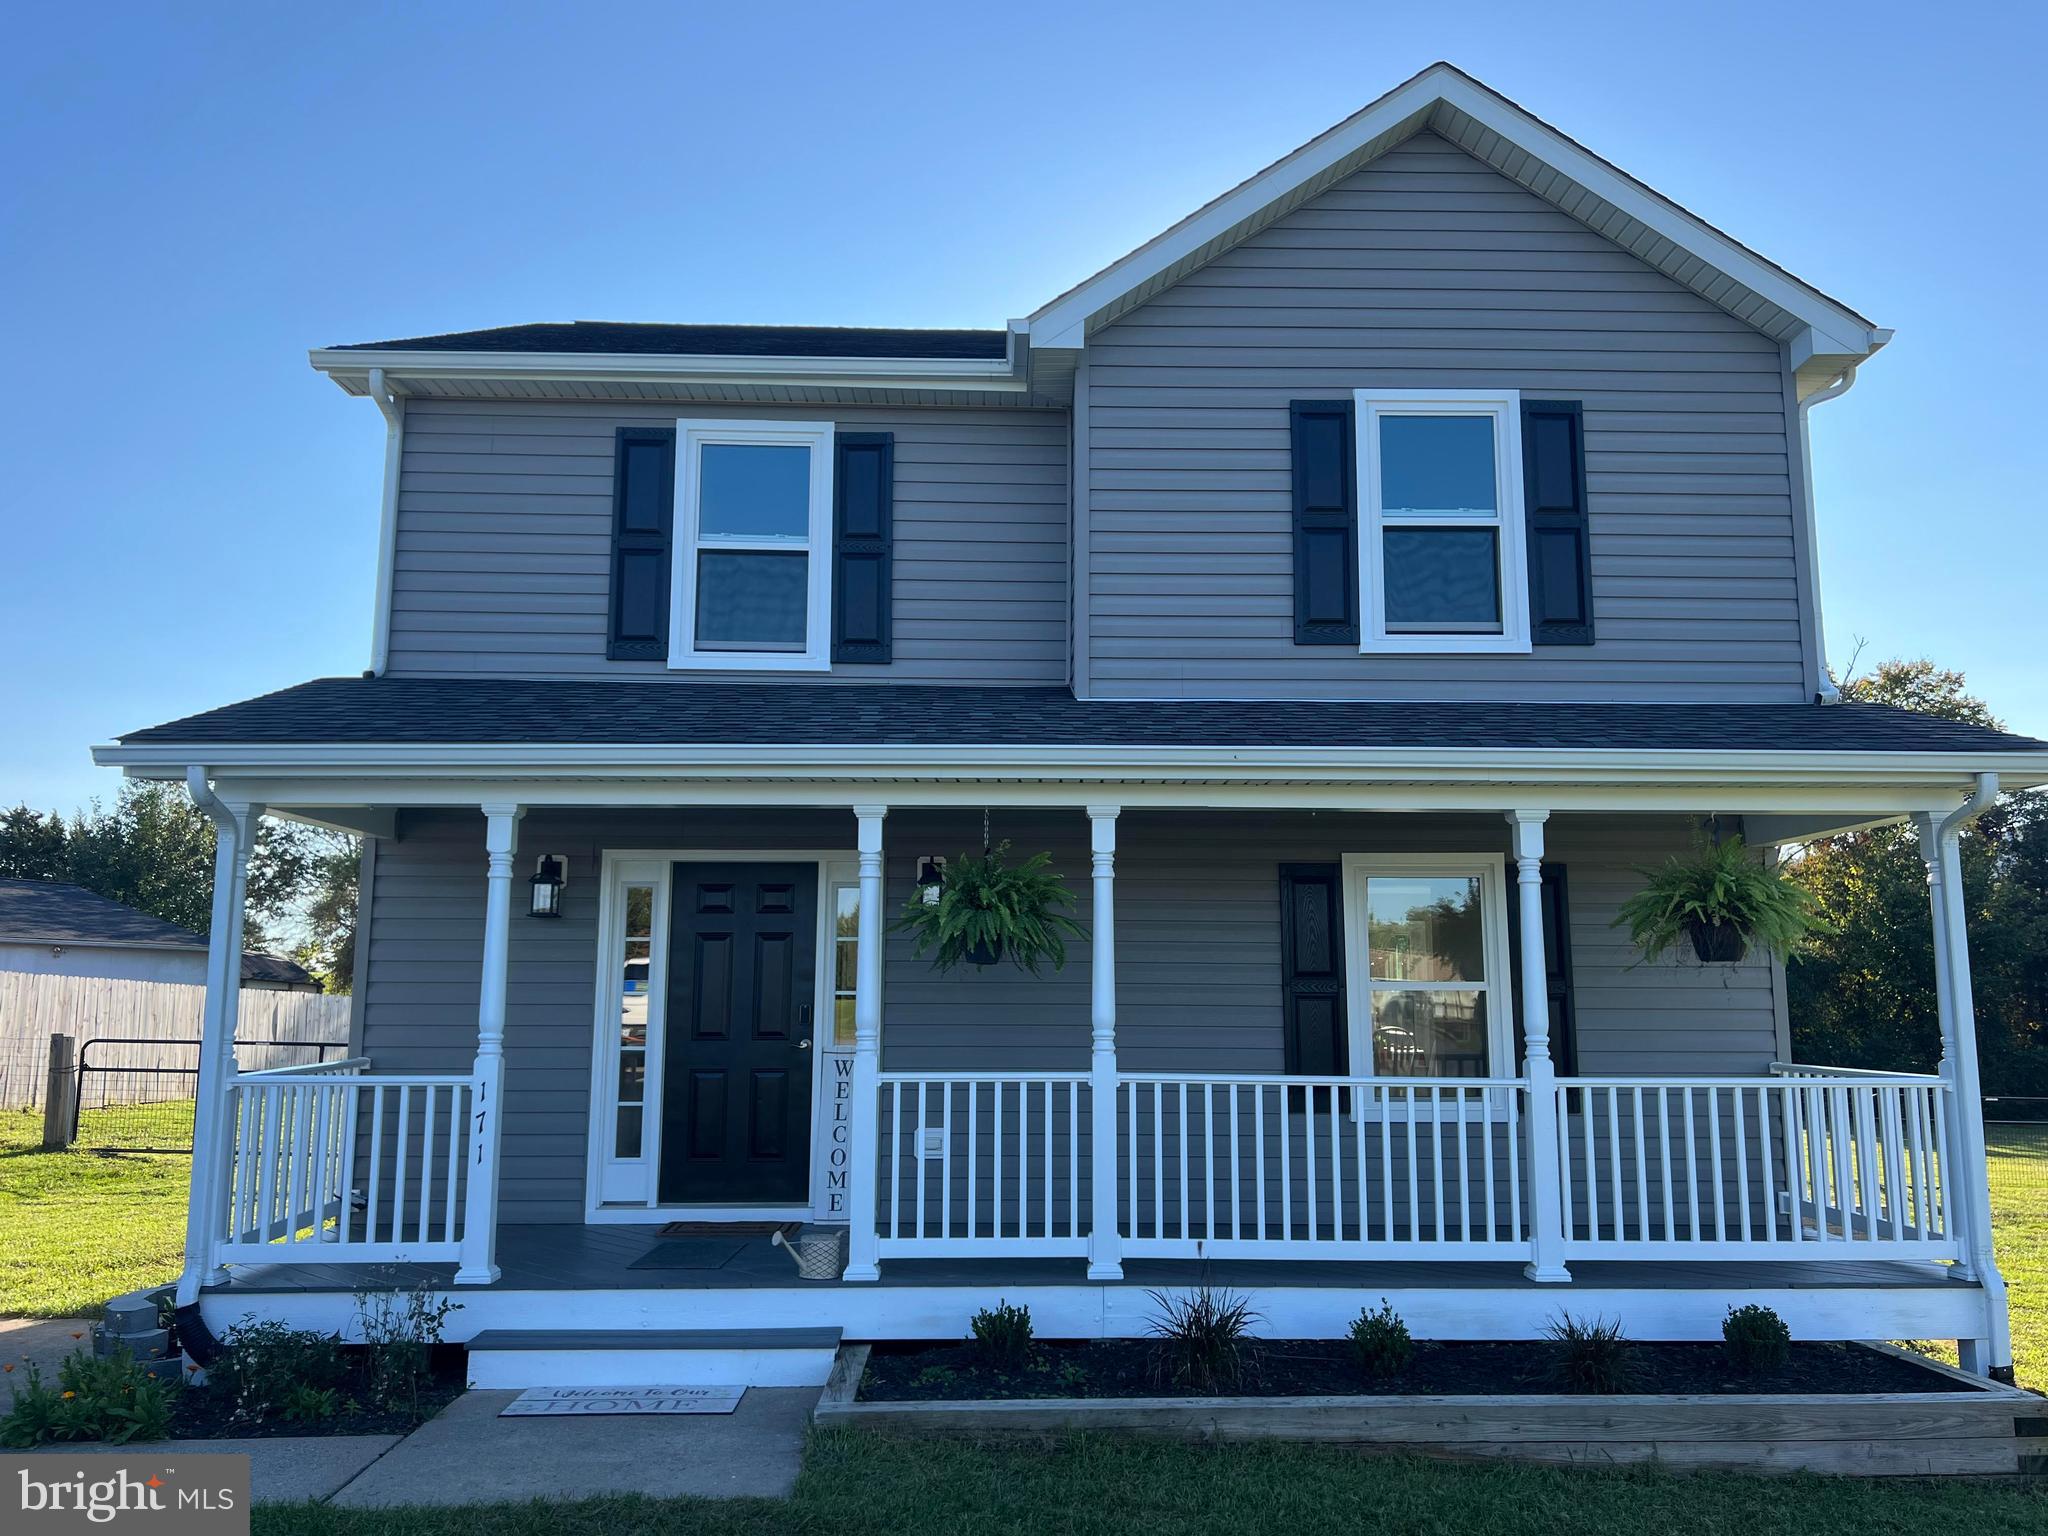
(137, 1095)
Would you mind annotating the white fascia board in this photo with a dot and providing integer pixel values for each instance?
(640, 368)
(1837, 330)
(1189, 764)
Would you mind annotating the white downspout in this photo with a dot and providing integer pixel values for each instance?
(387, 526)
(1825, 691)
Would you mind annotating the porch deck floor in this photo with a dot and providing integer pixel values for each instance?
(572, 1257)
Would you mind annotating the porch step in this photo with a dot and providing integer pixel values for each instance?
(652, 1357)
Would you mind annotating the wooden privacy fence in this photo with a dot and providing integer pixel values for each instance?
(160, 1017)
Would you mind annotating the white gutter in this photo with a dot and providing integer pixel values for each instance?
(1825, 691)
(605, 367)
(387, 525)
(1979, 802)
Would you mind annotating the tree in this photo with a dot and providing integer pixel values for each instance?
(154, 851)
(329, 950)
(1864, 996)
(31, 845)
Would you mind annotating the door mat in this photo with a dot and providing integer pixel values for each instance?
(788, 1229)
(596, 1402)
(690, 1253)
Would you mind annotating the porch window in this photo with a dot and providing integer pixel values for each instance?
(845, 941)
(1440, 552)
(635, 961)
(1428, 939)
(752, 585)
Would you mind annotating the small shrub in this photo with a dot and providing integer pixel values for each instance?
(312, 1405)
(400, 1329)
(1757, 1340)
(113, 1399)
(262, 1364)
(1381, 1343)
(1003, 1334)
(1201, 1337)
(1592, 1357)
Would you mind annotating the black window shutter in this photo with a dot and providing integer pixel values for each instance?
(1560, 545)
(1312, 970)
(1557, 976)
(863, 496)
(643, 531)
(1324, 448)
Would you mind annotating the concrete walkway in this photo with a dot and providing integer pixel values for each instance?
(42, 1342)
(468, 1455)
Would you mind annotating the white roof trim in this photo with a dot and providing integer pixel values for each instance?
(1445, 98)
(347, 367)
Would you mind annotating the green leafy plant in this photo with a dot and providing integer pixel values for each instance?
(934, 1378)
(112, 1399)
(1592, 1357)
(1201, 1337)
(312, 1405)
(263, 1364)
(1721, 899)
(1756, 1338)
(989, 908)
(1381, 1343)
(400, 1329)
(1003, 1334)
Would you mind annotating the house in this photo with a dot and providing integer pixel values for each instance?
(1352, 589)
(50, 928)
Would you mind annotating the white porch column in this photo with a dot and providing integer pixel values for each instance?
(479, 1264)
(1546, 1201)
(863, 1162)
(234, 835)
(1105, 1242)
(1991, 1355)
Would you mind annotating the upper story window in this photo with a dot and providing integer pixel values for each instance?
(1440, 504)
(753, 570)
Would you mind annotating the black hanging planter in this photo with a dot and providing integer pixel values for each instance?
(1717, 943)
(990, 953)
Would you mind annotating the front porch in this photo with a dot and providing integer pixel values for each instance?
(590, 1277)
(1558, 1129)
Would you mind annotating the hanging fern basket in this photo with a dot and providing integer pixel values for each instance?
(989, 910)
(1717, 943)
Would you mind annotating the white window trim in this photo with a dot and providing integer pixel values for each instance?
(1491, 868)
(1504, 407)
(682, 629)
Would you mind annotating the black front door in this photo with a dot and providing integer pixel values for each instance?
(736, 1083)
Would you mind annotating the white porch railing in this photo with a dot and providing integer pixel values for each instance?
(984, 1163)
(1811, 1163)
(1328, 1167)
(327, 1165)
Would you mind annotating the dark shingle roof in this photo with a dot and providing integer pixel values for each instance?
(52, 912)
(451, 711)
(707, 341)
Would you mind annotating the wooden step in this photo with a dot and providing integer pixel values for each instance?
(652, 1357)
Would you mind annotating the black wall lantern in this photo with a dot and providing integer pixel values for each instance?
(549, 876)
(931, 878)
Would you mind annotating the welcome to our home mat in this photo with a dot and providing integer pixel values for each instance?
(596, 1402)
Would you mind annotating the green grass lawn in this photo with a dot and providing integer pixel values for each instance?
(2019, 1208)
(854, 1483)
(77, 1228)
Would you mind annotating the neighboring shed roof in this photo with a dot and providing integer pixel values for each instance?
(613, 337)
(492, 711)
(53, 912)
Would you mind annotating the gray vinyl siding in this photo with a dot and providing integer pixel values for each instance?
(1430, 270)
(1198, 938)
(504, 538)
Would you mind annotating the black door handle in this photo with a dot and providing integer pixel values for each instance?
(802, 1042)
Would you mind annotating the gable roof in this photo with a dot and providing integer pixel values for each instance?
(783, 341)
(70, 916)
(1826, 335)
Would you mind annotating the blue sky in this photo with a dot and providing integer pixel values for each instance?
(195, 195)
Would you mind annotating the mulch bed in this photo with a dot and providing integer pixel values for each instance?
(899, 1373)
(203, 1413)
